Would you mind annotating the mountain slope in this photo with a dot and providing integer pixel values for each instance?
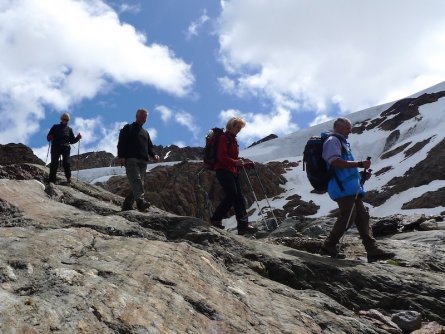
(405, 140)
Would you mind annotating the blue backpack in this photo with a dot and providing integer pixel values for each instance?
(317, 170)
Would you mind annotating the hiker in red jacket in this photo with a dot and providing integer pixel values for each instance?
(227, 174)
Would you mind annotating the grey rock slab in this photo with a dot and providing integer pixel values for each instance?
(76, 265)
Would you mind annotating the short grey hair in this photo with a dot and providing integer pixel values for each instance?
(140, 111)
(341, 121)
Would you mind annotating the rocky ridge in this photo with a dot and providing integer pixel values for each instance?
(188, 189)
(17, 153)
(105, 159)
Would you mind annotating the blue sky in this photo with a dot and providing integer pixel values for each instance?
(283, 65)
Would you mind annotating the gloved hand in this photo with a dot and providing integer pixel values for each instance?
(365, 175)
(249, 164)
(157, 158)
(50, 137)
(79, 136)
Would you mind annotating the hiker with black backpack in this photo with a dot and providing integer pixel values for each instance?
(346, 188)
(61, 136)
(226, 167)
(133, 150)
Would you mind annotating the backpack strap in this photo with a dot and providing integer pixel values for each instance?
(343, 150)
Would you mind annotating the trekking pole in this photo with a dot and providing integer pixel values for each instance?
(47, 153)
(254, 196)
(207, 198)
(265, 195)
(77, 162)
(362, 182)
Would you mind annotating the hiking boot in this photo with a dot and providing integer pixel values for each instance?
(128, 203)
(142, 205)
(249, 229)
(218, 224)
(332, 251)
(68, 180)
(127, 207)
(375, 254)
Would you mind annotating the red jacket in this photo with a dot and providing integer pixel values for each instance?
(228, 151)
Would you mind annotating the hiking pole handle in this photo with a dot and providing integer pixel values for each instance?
(364, 173)
(369, 159)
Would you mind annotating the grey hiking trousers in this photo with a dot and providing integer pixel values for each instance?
(135, 169)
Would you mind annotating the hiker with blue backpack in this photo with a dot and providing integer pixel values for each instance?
(345, 186)
(226, 167)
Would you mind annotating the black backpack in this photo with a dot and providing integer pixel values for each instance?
(317, 170)
(211, 147)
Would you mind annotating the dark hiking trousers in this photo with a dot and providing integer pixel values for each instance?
(233, 197)
(360, 217)
(56, 152)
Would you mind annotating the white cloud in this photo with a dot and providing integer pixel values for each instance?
(193, 28)
(108, 139)
(179, 144)
(55, 53)
(310, 55)
(320, 119)
(95, 135)
(228, 85)
(166, 113)
(153, 134)
(261, 125)
(88, 128)
(180, 117)
(129, 8)
(186, 119)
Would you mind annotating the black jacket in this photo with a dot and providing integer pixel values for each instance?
(62, 136)
(134, 142)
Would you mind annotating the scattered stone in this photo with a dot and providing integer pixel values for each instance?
(408, 321)
(429, 225)
(430, 328)
(383, 321)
